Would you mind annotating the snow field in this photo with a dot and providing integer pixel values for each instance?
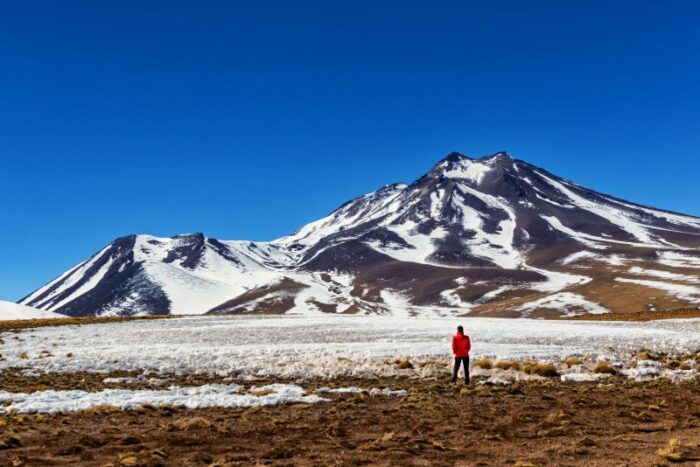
(324, 346)
(316, 347)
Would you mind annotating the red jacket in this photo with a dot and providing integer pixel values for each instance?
(461, 345)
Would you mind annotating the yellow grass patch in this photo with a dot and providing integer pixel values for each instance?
(604, 367)
(675, 451)
(572, 361)
(404, 364)
(191, 423)
(484, 363)
(541, 369)
(432, 361)
(508, 365)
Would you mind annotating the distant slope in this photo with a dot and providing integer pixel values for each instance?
(11, 311)
(487, 236)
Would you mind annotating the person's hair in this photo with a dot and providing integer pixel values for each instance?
(460, 329)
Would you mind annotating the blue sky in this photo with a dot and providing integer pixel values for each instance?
(245, 120)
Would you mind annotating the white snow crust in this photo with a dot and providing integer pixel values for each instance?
(195, 397)
(11, 311)
(572, 303)
(664, 274)
(324, 346)
(682, 291)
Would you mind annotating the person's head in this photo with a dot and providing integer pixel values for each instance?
(460, 329)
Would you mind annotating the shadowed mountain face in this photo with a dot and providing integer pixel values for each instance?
(488, 236)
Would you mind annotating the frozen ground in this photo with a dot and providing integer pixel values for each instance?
(209, 395)
(300, 347)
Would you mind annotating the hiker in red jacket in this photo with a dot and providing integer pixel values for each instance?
(461, 347)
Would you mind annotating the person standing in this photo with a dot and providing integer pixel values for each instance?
(461, 345)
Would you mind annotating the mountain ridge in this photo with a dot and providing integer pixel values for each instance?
(493, 235)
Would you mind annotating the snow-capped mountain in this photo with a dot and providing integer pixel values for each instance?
(12, 311)
(491, 236)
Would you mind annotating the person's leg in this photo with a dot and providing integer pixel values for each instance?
(455, 370)
(466, 370)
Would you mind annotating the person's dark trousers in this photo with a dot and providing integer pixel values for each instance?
(459, 361)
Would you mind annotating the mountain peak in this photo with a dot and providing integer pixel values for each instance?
(459, 166)
(499, 155)
(453, 157)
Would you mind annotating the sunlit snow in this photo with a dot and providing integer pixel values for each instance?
(323, 346)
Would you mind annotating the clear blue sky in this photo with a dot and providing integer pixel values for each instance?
(245, 120)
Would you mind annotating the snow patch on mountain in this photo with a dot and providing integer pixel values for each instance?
(579, 256)
(618, 217)
(12, 311)
(467, 169)
(679, 260)
(567, 303)
(364, 209)
(664, 274)
(686, 292)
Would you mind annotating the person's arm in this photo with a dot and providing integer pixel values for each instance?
(454, 345)
(469, 344)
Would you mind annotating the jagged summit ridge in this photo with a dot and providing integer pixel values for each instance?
(491, 235)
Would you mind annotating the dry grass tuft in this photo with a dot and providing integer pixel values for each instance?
(508, 365)
(604, 367)
(102, 409)
(128, 459)
(17, 325)
(556, 416)
(404, 364)
(672, 364)
(191, 423)
(19, 419)
(541, 369)
(24, 355)
(648, 355)
(629, 438)
(685, 366)
(572, 361)
(10, 442)
(484, 363)
(70, 355)
(433, 361)
(675, 451)
(262, 392)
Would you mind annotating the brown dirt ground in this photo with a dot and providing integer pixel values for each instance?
(16, 325)
(618, 422)
(642, 315)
